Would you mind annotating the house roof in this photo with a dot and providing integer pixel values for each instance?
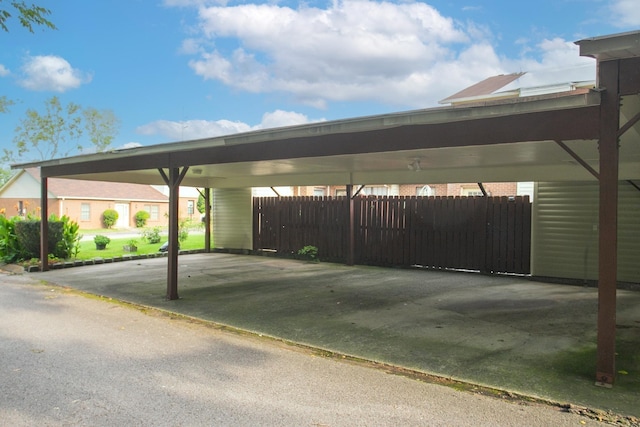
(82, 189)
(483, 88)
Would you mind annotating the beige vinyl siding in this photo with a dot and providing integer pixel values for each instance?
(565, 231)
(232, 218)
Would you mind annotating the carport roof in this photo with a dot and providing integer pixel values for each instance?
(511, 141)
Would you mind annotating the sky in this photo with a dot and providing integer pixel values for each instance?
(174, 70)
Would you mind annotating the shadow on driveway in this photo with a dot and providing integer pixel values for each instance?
(536, 339)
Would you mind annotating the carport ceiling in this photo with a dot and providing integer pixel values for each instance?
(515, 141)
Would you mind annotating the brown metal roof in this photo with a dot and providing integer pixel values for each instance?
(485, 87)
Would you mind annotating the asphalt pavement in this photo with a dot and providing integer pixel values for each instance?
(508, 334)
(72, 360)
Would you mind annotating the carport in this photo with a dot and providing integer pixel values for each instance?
(593, 136)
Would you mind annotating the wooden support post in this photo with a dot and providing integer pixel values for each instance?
(173, 182)
(608, 222)
(207, 220)
(350, 226)
(44, 223)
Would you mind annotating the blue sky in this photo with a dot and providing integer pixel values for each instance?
(185, 69)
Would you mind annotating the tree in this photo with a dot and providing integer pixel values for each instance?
(27, 15)
(50, 134)
(57, 132)
(102, 126)
(5, 103)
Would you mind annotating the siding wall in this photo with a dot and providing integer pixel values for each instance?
(233, 218)
(565, 231)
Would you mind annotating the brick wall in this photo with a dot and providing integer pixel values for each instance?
(493, 188)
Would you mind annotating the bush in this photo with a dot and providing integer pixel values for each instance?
(20, 239)
(70, 243)
(141, 218)
(109, 218)
(101, 240)
(309, 252)
(28, 235)
(152, 235)
(9, 245)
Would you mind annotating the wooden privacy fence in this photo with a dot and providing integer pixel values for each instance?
(487, 234)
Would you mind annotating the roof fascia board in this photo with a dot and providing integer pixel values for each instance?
(569, 117)
(611, 47)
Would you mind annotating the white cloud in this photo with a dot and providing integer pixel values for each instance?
(4, 71)
(51, 73)
(192, 129)
(349, 51)
(129, 145)
(626, 13)
(559, 62)
(197, 129)
(280, 118)
(404, 54)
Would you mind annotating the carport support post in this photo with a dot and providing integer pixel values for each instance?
(44, 223)
(173, 182)
(207, 220)
(608, 222)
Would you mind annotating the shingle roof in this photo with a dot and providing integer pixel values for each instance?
(485, 87)
(71, 188)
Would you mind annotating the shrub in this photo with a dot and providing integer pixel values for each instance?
(101, 240)
(28, 235)
(152, 235)
(183, 230)
(109, 218)
(309, 252)
(9, 245)
(69, 245)
(141, 219)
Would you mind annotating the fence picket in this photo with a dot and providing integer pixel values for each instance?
(488, 234)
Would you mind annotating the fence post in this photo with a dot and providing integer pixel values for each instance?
(350, 226)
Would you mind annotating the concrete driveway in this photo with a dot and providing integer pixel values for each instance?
(74, 361)
(508, 333)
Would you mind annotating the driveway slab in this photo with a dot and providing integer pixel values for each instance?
(510, 333)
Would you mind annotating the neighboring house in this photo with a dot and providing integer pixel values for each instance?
(443, 190)
(85, 201)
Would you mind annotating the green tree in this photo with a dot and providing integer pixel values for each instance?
(200, 204)
(57, 131)
(102, 127)
(5, 175)
(27, 15)
(5, 103)
(50, 134)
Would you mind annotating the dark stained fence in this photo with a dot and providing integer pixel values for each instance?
(488, 234)
(287, 224)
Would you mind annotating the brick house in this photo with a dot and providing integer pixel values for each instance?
(85, 201)
(458, 189)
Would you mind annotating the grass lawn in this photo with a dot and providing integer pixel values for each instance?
(114, 248)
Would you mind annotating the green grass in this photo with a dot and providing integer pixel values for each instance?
(114, 248)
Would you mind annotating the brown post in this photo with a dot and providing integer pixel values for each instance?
(350, 226)
(207, 220)
(173, 182)
(44, 223)
(608, 222)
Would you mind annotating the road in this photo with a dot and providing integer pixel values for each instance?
(69, 359)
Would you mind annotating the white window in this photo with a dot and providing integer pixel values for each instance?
(190, 205)
(376, 191)
(85, 212)
(319, 191)
(153, 212)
